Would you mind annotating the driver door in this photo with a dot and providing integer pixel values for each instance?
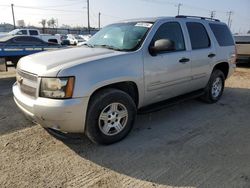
(167, 74)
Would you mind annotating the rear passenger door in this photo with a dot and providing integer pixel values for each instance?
(202, 54)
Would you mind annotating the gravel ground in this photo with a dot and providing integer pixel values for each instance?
(189, 145)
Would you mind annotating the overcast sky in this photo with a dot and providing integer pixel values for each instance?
(74, 12)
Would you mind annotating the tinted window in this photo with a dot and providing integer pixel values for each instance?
(28, 40)
(198, 35)
(22, 32)
(222, 34)
(33, 32)
(171, 31)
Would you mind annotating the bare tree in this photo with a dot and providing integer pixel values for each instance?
(43, 22)
(52, 22)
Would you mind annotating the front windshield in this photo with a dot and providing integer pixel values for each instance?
(13, 32)
(121, 36)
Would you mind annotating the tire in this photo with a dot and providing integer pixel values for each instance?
(213, 91)
(111, 127)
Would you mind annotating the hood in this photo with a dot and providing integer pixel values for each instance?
(50, 63)
(4, 35)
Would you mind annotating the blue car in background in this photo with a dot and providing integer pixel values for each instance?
(12, 48)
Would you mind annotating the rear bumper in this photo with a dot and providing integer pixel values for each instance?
(63, 115)
(243, 58)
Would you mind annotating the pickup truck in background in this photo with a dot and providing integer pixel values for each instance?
(12, 48)
(243, 48)
(34, 33)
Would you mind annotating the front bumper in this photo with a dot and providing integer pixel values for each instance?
(64, 115)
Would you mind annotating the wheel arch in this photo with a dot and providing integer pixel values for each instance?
(224, 67)
(128, 87)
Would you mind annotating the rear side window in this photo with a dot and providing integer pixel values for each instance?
(198, 35)
(33, 32)
(171, 31)
(222, 34)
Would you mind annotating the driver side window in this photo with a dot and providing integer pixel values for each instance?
(22, 32)
(173, 32)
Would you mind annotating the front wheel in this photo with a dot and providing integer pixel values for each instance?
(110, 116)
(215, 87)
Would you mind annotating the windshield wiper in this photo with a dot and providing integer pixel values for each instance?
(108, 47)
(89, 45)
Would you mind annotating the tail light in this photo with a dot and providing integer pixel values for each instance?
(233, 57)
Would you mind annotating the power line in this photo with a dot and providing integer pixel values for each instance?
(159, 2)
(93, 16)
(116, 17)
(46, 9)
(66, 5)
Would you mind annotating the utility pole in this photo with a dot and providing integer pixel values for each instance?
(88, 16)
(212, 14)
(229, 22)
(179, 8)
(13, 15)
(99, 20)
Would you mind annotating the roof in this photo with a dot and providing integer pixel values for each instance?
(154, 19)
(150, 19)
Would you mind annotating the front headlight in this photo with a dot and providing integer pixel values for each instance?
(57, 88)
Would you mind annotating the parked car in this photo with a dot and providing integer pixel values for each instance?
(243, 48)
(72, 39)
(98, 88)
(12, 48)
(81, 43)
(33, 33)
(85, 37)
(79, 38)
(64, 39)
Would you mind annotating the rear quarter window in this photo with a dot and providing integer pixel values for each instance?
(33, 32)
(222, 34)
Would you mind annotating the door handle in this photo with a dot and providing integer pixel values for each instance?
(211, 55)
(184, 60)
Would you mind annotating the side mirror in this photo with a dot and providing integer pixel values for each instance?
(162, 45)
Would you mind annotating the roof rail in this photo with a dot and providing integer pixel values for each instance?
(197, 17)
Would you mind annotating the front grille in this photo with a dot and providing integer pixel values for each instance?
(27, 82)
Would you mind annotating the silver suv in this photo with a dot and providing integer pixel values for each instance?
(98, 88)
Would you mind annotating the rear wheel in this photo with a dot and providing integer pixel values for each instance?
(110, 116)
(215, 87)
